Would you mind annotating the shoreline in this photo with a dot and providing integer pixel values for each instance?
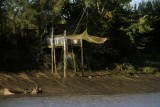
(96, 83)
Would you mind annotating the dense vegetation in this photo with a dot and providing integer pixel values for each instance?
(133, 33)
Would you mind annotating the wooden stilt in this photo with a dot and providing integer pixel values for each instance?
(52, 50)
(82, 57)
(53, 53)
(52, 60)
(55, 66)
(65, 55)
(74, 62)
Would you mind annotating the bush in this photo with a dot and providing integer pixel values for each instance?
(125, 68)
(157, 74)
(149, 70)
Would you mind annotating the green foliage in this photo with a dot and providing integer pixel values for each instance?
(19, 15)
(149, 70)
(125, 68)
(140, 27)
(150, 7)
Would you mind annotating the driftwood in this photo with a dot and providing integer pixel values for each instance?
(6, 92)
(8, 89)
(33, 90)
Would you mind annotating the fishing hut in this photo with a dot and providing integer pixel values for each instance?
(62, 41)
(66, 41)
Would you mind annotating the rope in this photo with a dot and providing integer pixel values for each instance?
(94, 23)
(80, 21)
(75, 21)
(87, 19)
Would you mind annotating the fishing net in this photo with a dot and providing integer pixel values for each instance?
(89, 38)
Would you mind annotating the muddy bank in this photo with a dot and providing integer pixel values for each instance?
(91, 83)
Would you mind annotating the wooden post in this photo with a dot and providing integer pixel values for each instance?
(82, 57)
(55, 66)
(74, 62)
(65, 55)
(52, 50)
(53, 53)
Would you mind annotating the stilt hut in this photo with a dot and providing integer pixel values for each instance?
(63, 41)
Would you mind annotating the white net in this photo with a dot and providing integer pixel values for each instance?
(89, 38)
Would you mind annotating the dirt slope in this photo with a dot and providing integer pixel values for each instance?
(91, 83)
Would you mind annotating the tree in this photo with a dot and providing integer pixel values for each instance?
(151, 8)
(135, 30)
(21, 26)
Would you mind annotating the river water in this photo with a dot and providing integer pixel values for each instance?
(120, 100)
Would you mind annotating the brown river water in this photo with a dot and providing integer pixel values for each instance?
(119, 100)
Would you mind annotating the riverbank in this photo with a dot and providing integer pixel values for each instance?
(90, 83)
